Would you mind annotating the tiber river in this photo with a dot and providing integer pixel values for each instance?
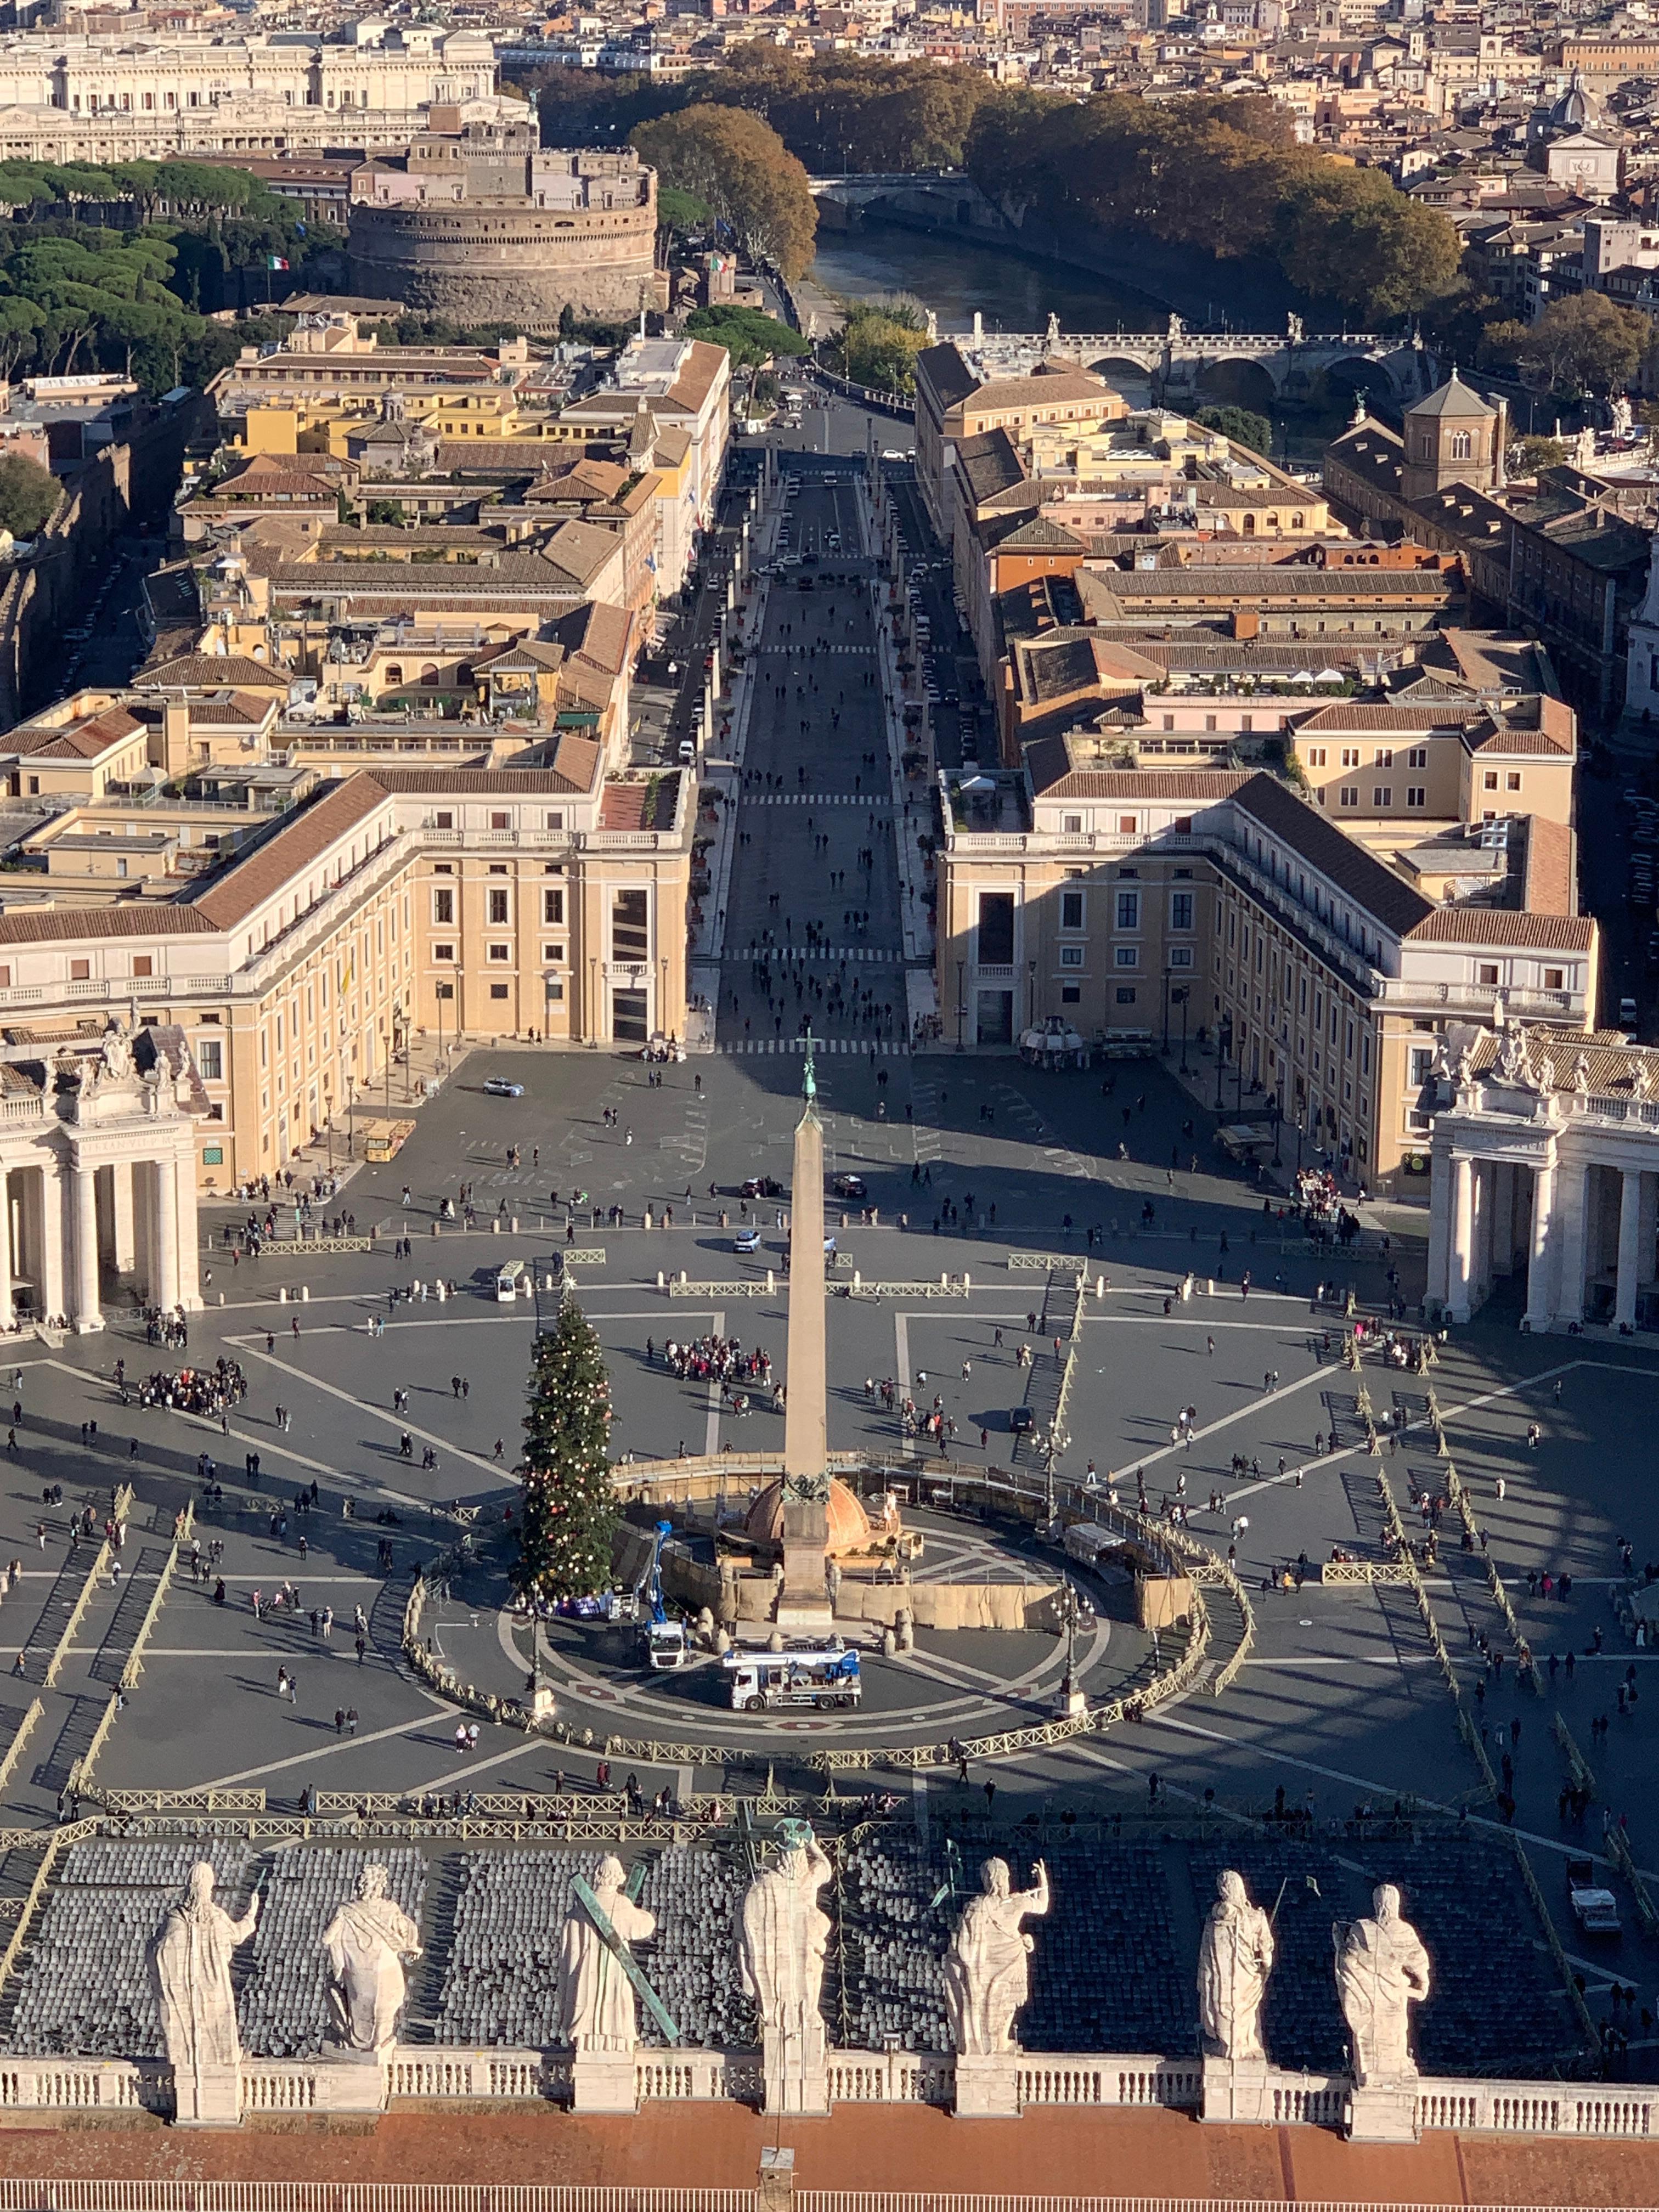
(1012, 291)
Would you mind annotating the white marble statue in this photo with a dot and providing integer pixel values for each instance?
(988, 1970)
(1052, 336)
(932, 328)
(596, 2000)
(1234, 1962)
(190, 1973)
(1382, 1970)
(367, 1943)
(1512, 1056)
(117, 1052)
(784, 1937)
(1294, 329)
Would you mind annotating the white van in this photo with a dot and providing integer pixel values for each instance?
(513, 1281)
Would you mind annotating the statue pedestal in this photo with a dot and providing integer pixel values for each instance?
(1383, 2111)
(1070, 1703)
(797, 2081)
(988, 2088)
(353, 2081)
(1237, 2089)
(207, 2097)
(541, 1703)
(604, 2081)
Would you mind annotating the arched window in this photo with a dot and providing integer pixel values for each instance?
(1460, 446)
(429, 673)
(394, 673)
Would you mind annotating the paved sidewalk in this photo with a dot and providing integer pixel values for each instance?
(921, 991)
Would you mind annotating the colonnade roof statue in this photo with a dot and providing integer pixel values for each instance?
(597, 2009)
(1382, 1970)
(367, 1943)
(190, 1971)
(987, 1976)
(1234, 1961)
(784, 1934)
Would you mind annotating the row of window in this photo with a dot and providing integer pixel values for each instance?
(498, 906)
(1382, 756)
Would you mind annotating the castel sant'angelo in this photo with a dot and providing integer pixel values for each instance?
(481, 224)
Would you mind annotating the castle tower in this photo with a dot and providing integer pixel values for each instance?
(1452, 437)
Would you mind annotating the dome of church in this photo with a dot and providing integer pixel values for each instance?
(849, 1524)
(1574, 110)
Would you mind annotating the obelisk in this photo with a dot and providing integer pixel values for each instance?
(803, 1601)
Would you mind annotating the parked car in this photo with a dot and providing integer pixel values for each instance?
(1022, 1420)
(1628, 1020)
(849, 1186)
(746, 1239)
(760, 1186)
(497, 1086)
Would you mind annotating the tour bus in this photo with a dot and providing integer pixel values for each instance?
(818, 1675)
(513, 1282)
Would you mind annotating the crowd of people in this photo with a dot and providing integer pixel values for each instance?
(213, 1391)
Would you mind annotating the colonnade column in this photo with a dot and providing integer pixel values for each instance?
(83, 1199)
(1463, 1237)
(1540, 1304)
(1573, 1206)
(121, 1213)
(164, 1290)
(1440, 1225)
(52, 1242)
(1630, 1248)
(5, 1250)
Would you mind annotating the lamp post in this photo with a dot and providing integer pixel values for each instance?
(1182, 995)
(1224, 1041)
(1276, 1109)
(962, 1003)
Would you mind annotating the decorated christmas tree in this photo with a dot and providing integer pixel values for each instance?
(570, 1511)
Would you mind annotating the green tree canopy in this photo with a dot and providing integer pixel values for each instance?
(1221, 175)
(568, 1518)
(749, 336)
(878, 343)
(1242, 424)
(28, 494)
(1584, 344)
(682, 211)
(739, 166)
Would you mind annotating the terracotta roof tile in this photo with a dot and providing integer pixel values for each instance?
(1495, 924)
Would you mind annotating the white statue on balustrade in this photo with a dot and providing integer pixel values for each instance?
(1234, 1961)
(597, 2008)
(784, 1935)
(1512, 1056)
(190, 1973)
(987, 1975)
(367, 1943)
(1382, 1970)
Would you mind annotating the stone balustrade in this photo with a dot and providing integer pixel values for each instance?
(453, 2074)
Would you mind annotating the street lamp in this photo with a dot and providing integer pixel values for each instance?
(1276, 1112)
(1181, 996)
(1224, 1045)
(962, 1003)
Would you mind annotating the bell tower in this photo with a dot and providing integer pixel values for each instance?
(1452, 437)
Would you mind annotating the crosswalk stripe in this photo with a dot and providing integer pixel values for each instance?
(815, 952)
(885, 1049)
(867, 800)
